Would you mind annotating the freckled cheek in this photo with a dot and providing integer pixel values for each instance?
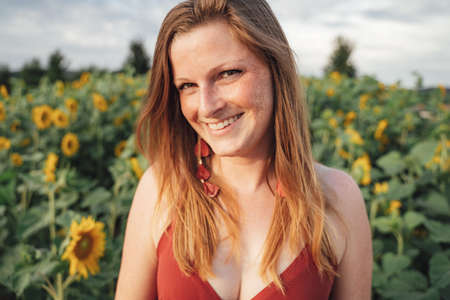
(189, 110)
(262, 96)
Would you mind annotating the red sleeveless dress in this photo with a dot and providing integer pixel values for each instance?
(301, 279)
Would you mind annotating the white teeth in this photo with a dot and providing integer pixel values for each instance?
(223, 124)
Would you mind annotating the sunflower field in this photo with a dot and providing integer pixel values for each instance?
(69, 169)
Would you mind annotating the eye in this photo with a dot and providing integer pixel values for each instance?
(229, 73)
(184, 86)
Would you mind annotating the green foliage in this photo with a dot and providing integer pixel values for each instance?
(56, 67)
(409, 158)
(32, 72)
(340, 58)
(138, 58)
(5, 76)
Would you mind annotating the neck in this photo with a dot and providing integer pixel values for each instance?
(244, 175)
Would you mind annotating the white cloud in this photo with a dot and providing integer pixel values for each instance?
(392, 38)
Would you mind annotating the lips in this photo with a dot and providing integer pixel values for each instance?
(224, 123)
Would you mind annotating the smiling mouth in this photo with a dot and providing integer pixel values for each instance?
(225, 123)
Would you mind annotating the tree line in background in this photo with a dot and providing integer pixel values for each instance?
(57, 67)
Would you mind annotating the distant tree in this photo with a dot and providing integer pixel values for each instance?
(5, 76)
(57, 66)
(138, 58)
(340, 58)
(32, 72)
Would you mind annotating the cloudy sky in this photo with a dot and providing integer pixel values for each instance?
(392, 38)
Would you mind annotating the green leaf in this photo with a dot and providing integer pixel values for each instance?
(392, 163)
(7, 176)
(66, 199)
(439, 271)
(383, 224)
(377, 245)
(438, 232)
(7, 192)
(423, 152)
(97, 197)
(318, 149)
(413, 219)
(398, 190)
(436, 203)
(35, 219)
(394, 263)
(65, 219)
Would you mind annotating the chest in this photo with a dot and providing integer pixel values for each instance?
(240, 278)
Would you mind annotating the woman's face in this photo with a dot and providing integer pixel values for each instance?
(225, 90)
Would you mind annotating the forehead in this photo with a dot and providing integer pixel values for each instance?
(207, 46)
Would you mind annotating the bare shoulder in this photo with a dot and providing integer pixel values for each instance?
(341, 191)
(137, 274)
(355, 264)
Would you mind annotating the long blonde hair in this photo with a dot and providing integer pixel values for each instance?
(167, 140)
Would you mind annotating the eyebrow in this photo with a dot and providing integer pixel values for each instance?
(213, 70)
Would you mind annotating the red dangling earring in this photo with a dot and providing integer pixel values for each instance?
(280, 190)
(202, 150)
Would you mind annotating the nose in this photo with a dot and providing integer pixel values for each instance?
(211, 102)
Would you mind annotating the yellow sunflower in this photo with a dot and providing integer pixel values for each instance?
(119, 148)
(394, 206)
(59, 88)
(136, 168)
(442, 89)
(380, 129)
(2, 111)
(25, 142)
(140, 92)
(60, 119)
(118, 121)
(49, 176)
(336, 76)
(344, 154)
(5, 143)
(72, 105)
(70, 144)
(50, 167)
(51, 161)
(355, 137)
(16, 159)
(87, 245)
(15, 126)
(85, 77)
(363, 101)
(330, 92)
(333, 122)
(363, 164)
(42, 116)
(99, 102)
(349, 117)
(381, 188)
(4, 91)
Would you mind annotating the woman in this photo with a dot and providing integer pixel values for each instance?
(233, 205)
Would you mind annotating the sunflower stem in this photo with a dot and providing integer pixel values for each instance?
(23, 199)
(112, 219)
(50, 290)
(51, 205)
(59, 286)
(68, 281)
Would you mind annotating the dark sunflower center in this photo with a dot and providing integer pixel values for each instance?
(45, 116)
(69, 144)
(84, 247)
